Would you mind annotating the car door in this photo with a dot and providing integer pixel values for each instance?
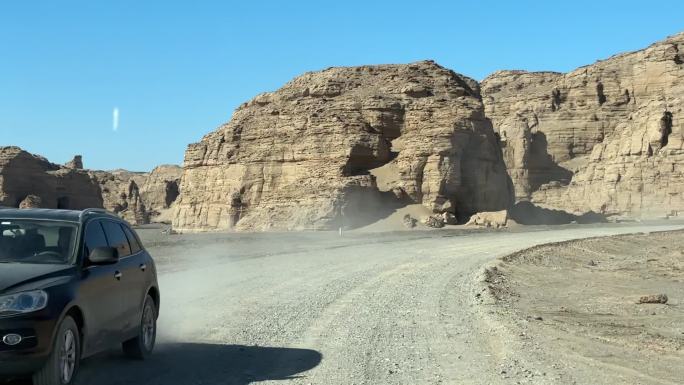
(130, 272)
(141, 273)
(100, 293)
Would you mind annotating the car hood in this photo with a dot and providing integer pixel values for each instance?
(13, 275)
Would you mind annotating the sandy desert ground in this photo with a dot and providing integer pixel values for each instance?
(575, 308)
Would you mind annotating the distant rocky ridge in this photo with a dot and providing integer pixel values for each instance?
(345, 147)
(28, 180)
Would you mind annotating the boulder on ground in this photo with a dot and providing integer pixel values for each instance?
(489, 219)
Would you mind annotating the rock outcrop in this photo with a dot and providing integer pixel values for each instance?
(606, 138)
(76, 163)
(160, 190)
(121, 194)
(301, 157)
(23, 174)
(31, 202)
(30, 181)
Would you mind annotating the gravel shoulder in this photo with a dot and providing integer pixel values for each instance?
(320, 308)
(574, 307)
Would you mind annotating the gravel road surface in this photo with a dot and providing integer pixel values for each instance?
(319, 308)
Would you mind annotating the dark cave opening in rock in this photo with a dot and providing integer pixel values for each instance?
(63, 203)
(171, 193)
(665, 128)
(543, 169)
(600, 94)
(556, 99)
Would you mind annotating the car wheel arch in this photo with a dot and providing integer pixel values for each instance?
(76, 313)
(154, 293)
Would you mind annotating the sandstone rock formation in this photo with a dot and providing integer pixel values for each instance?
(28, 181)
(23, 174)
(301, 157)
(606, 138)
(121, 194)
(160, 190)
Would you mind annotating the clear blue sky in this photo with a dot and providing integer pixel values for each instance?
(176, 70)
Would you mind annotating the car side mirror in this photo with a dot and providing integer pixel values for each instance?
(104, 256)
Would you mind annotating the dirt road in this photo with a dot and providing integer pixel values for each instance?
(364, 308)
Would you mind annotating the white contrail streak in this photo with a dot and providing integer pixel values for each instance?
(115, 119)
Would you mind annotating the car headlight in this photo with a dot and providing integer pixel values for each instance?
(20, 303)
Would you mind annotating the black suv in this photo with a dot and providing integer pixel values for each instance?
(72, 283)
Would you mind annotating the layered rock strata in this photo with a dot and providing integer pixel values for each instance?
(301, 157)
(606, 138)
(31, 181)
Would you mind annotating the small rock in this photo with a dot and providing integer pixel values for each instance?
(653, 298)
(409, 221)
(449, 218)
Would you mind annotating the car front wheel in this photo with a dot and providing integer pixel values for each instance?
(141, 346)
(62, 365)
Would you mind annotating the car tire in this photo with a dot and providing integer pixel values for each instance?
(63, 363)
(141, 347)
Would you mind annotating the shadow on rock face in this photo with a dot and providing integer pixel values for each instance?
(198, 363)
(527, 213)
(364, 206)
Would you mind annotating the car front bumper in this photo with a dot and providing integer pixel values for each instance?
(30, 354)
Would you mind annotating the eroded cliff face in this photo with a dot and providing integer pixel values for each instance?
(302, 157)
(159, 191)
(31, 181)
(605, 137)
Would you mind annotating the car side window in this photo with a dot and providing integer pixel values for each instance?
(94, 237)
(132, 239)
(117, 238)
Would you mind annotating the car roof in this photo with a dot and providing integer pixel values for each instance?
(55, 214)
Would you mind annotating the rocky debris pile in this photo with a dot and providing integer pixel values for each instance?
(31, 181)
(607, 137)
(654, 298)
(434, 221)
(495, 219)
(301, 157)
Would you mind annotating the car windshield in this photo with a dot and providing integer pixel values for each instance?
(36, 241)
